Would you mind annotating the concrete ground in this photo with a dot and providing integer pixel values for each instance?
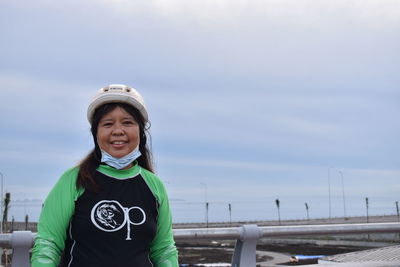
(277, 258)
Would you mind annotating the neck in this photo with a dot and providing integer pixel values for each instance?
(128, 167)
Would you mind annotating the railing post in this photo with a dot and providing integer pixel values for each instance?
(245, 249)
(21, 242)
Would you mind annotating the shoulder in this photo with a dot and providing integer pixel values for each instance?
(149, 175)
(154, 182)
(70, 175)
(66, 184)
(71, 172)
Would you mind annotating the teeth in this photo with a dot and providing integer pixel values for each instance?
(117, 142)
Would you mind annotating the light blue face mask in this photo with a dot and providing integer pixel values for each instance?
(120, 163)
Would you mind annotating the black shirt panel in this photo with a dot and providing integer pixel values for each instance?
(113, 227)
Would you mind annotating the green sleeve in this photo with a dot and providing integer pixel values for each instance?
(163, 252)
(54, 220)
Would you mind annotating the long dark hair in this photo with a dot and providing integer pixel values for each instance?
(91, 162)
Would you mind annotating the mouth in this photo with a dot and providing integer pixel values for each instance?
(118, 142)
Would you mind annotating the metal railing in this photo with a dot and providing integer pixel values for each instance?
(246, 238)
(248, 235)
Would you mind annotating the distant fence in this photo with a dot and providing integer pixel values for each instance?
(246, 238)
(20, 226)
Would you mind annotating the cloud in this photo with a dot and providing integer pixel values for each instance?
(270, 178)
(258, 96)
(330, 124)
(249, 40)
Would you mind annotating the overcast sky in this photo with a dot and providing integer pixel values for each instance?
(249, 100)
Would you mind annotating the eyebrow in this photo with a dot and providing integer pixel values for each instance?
(124, 118)
(129, 118)
(106, 119)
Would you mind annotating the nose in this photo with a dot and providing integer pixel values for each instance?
(117, 130)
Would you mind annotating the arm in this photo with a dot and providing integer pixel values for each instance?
(53, 222)
(163, 252)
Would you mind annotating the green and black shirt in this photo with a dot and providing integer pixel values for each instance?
(126, 223)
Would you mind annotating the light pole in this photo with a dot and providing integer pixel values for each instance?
(344, 199)
(230, 214)
(329, 193)
(308, 217)
(206, 214)
(277, 202)
(1, 203)
(398, 215)
(206, 202)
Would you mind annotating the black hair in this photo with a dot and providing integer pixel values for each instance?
(91, 162)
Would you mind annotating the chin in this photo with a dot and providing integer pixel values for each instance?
(118, 155)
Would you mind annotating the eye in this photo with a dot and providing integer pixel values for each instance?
(106, 124)
(128, 122)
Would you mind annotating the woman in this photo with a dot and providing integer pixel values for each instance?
(111, 210)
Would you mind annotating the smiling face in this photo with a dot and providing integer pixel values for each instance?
(118, 133)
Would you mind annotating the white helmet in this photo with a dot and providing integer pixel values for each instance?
(117, 93)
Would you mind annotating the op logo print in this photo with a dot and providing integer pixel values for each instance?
(111, 216)
(105, 215)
